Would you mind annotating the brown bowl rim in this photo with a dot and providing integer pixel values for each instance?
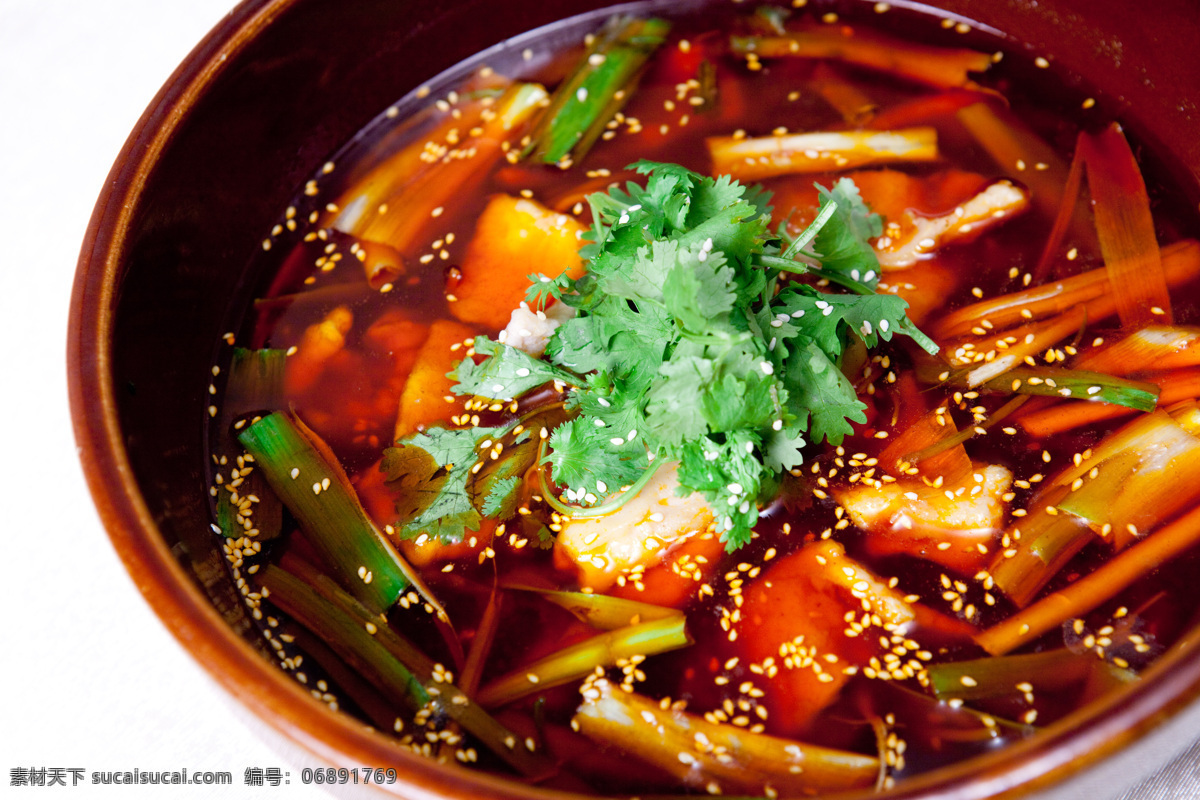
(276, 698)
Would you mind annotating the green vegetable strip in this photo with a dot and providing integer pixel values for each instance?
(421, 665)
(315, 489)
(602, 611)
(350, 684)
(579, 660)
(1091, 590)
(1096, 387)
(996, 677)
(700, 753)
(348, 637)
(255, 383)
(1078, 384)
(600, 85)
(966, 434)
(266, 517)
(948, 720)
(1047, 544)
(446, 697)
(1153, 474)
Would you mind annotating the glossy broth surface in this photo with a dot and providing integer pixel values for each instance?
(312, 275)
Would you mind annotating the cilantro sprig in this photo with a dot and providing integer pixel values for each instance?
(688, 346)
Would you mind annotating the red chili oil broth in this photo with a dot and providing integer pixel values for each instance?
(294, 292)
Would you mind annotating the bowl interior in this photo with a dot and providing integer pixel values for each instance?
(262, 102)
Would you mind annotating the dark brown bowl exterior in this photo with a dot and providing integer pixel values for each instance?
(265, 99)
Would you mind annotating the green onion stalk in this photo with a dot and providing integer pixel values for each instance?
(313, 486)
(255, 383)
(402, 671)
(711, 756)
(580, 660)
(602, 82)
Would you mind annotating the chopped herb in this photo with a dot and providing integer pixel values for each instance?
(446, 481)
(688, 347)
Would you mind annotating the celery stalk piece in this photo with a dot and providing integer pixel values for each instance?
(602, 611)
(712, 757)
(434, 681)
(579, 660)
(602, 82)
(316, 490)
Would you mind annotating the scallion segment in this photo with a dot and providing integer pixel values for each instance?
(601, 611)
(255, 381)
(936, 66)
(1094, 588)
(601, 83)
(981, 678)
(1136, 479)
(316, 490)
(348, 637)
(579, 660)
(245, 505)
(710, 756)
(405, 674)
(1078, 384)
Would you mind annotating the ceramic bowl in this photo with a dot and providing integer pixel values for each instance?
(263, 101)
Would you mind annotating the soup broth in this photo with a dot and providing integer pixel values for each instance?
(882, 601)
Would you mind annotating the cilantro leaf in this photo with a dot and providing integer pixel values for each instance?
(842, 244)
(828, 317)
(698, 288)
(729, 474)
(820, 393)
(675, 409)
(505, 373)
(582, 454)
(501, 499)
(783, 450)
(542, 288)
(733, 402)
(686, 347)
(429, 473)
